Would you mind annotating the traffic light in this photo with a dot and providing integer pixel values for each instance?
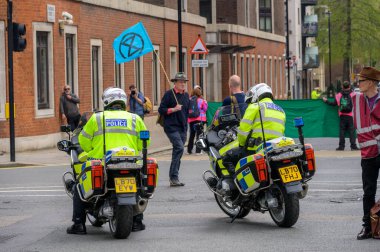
(19, 43)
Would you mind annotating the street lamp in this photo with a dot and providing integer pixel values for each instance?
(329, 14)
(287, 47)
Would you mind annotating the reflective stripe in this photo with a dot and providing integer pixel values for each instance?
(267, 131)
(84, 134)
(269, 119)
(246, 121)
(99, 123)
(378, 137)
(133, 122)
(368, 129)
(242, 132)
(368, 143)
(357, 112)
(123, 131)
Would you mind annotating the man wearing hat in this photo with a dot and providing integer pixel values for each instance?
(366, 110)
(344, 101)
(175, 109)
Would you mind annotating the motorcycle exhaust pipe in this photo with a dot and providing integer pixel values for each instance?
(141, 205)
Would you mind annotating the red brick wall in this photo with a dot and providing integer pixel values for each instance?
(93, 22)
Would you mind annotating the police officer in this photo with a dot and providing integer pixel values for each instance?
(121, 128)
(273, 118)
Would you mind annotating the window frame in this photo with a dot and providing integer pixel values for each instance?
(139, 75)
(97, 43)
(265, 12)
(173, 61)
(44, 27)
(156, 89)
(72, 30)
(120, 72)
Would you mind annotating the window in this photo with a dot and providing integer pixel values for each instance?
(234, 64)
(246, 7)
(2, 70)
(242, 71)
(205, 10)
(265, 69)
(270, 72)
(96, 73)
(71, 57)
(280, 67)
(43, 69)
(173, 62)
(156, 76)
(119, 75)
(139, 70)
(184, 60)
(193, 73)
(248, 73)
(259, 68)
(265, 15)
(275, 76)
(253, 80)
(184, 5)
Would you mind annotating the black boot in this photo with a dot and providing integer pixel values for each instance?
(77, 229)
(364, 234)
(138, 226)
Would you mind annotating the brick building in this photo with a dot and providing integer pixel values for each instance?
(247, 40)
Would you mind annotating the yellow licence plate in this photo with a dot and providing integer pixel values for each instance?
(125, 185)
(290, 174)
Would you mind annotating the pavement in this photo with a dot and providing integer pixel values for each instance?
(160, 148)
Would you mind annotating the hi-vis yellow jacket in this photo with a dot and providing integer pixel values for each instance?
(273, 117)
(121, 127)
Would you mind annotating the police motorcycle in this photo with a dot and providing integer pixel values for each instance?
(272, 179)
(116, 188)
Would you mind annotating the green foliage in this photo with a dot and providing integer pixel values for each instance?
(363, 26)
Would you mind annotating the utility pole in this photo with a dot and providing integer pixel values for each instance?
(10, 79)
(287, 47)
(180, 57)
(329, 14)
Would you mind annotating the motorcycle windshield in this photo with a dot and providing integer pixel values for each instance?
(228, 114)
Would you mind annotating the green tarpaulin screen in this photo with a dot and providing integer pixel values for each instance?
(320, 119)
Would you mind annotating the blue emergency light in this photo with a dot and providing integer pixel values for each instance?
(298, 122)
(144, 135)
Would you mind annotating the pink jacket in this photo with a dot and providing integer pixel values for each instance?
(337, 98)
(367, 124)
(202, 105)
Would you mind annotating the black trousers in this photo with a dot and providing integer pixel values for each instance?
(346, 125)
(194, 131)
(73, 121)
(370, 174)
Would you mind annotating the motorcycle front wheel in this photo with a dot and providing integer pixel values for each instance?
(287, 212)
(121, 222)
(225, 203)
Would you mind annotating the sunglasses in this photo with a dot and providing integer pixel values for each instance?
(67, 89)
(359, 81)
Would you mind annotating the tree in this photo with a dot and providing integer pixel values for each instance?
(355, 34)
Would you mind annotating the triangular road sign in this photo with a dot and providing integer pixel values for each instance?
(199, 47)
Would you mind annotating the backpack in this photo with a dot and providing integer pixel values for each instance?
(147, 105)
(193, 107)
(345, 103)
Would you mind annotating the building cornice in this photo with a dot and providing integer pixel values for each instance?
(148, 10)
(242, 30)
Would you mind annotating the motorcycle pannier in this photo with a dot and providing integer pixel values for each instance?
(152, 175)
(92, 180)
(251, 173)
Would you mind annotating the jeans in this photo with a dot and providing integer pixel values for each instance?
(79, 208)
(73, 121)
(370, 173)
(194, 131)
(346, 124)
(178, 140)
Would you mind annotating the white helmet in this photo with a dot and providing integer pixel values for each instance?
(257, 91)
(114, 95)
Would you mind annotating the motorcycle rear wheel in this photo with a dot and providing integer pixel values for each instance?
(287, 212)
(227, 207)
(94, 220)
(121, 222)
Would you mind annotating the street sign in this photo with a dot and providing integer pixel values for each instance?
(199, 47)
(199, 63)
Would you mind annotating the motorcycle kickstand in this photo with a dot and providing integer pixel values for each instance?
(234, 218)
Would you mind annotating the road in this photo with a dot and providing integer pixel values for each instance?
(35, 212)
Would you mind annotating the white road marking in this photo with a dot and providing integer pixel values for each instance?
(35, 195)
(44, 190)
(20, 187)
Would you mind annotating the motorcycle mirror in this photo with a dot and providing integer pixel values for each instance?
(65, 128)
(201, 144)
(63, 145)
